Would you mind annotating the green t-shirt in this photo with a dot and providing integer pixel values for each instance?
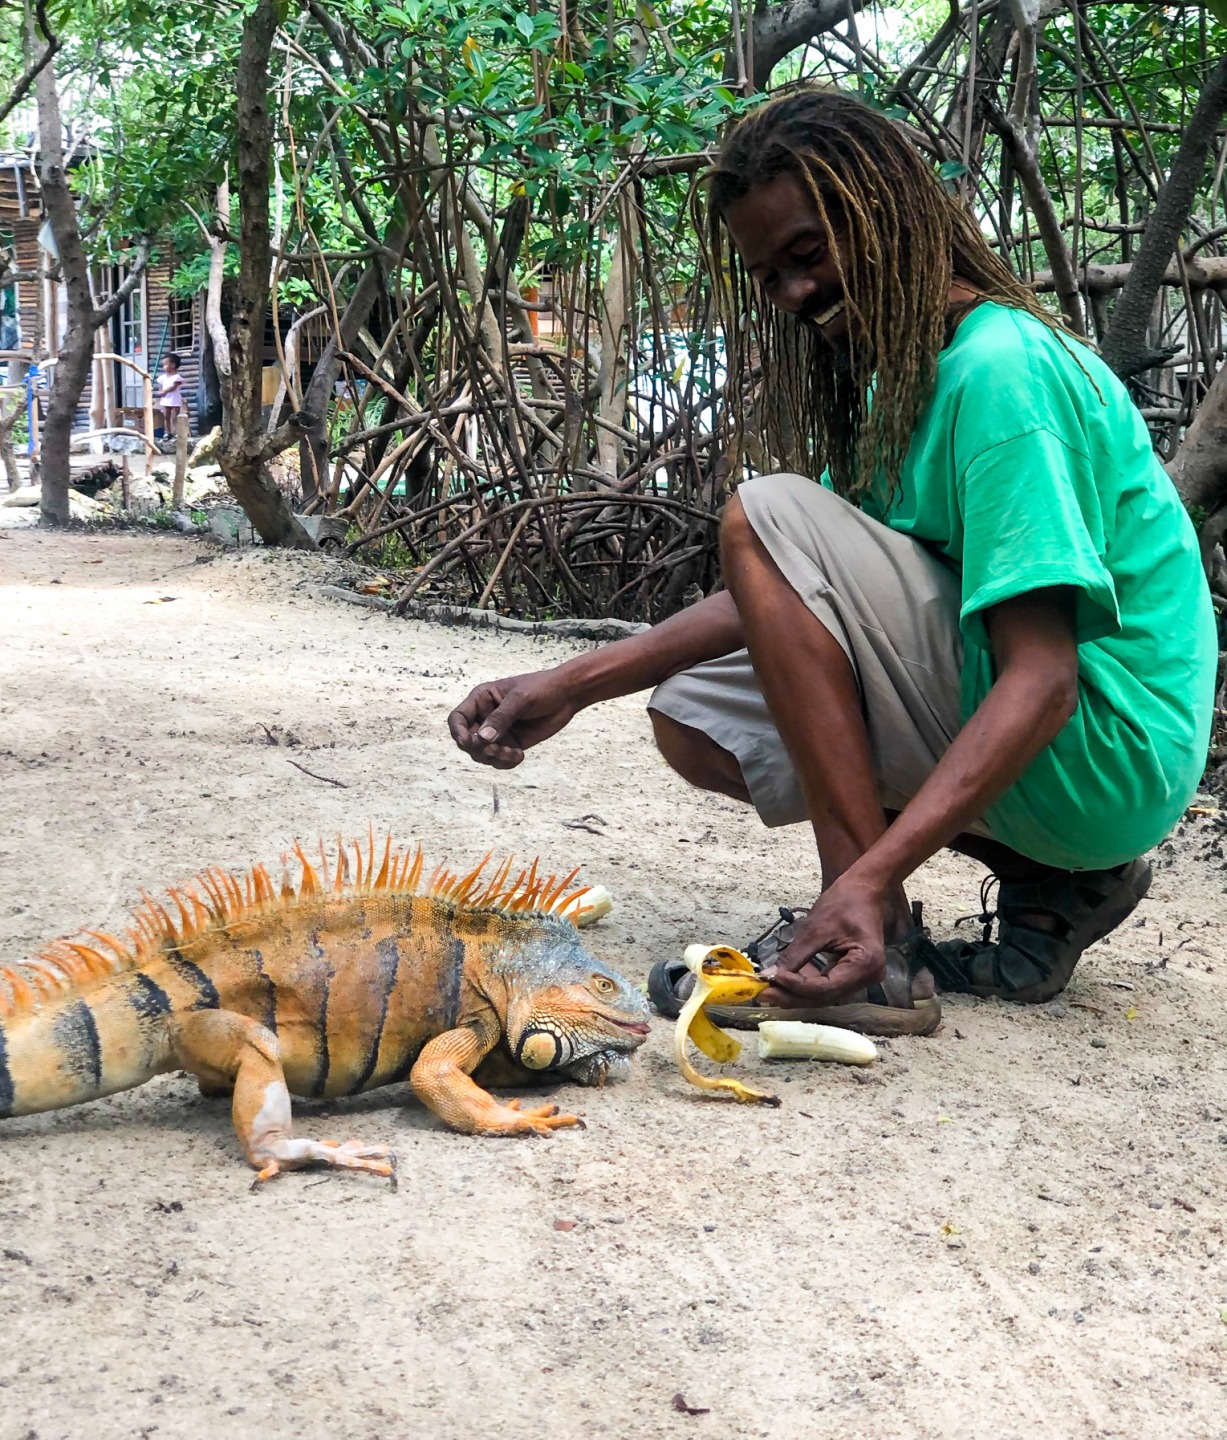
(1031, 467)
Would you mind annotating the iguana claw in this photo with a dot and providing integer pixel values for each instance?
(344, 1155)
(509, 1119)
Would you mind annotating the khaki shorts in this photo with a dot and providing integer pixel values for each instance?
(893, 607)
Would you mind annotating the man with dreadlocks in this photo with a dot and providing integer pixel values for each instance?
(988, 630)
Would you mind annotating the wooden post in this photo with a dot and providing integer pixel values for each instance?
(97, 399)
(107, 370)
(125, 483)
(530, 293)
(181, 439)
(149, 416)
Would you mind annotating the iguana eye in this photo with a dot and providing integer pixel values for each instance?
(603, 985)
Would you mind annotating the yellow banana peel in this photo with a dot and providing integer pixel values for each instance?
(722, 976)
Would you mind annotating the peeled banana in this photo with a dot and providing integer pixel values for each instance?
(588, 907)
(796, 1040)
(725, 976)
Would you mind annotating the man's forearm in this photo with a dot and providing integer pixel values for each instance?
(1017, 719)
(702, 632)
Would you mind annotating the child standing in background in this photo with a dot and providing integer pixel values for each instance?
(170, 396)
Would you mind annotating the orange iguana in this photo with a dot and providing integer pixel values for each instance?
(334, 986)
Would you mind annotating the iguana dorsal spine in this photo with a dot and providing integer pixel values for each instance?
(216, 898)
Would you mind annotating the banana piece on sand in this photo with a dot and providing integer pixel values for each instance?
(797, 1040)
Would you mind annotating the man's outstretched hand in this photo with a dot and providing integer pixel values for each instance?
(502, 719)
(846, 925)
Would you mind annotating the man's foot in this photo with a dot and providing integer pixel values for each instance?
(903, 1003)
(1043, 926)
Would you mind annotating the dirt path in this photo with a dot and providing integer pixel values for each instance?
(1012, 1229)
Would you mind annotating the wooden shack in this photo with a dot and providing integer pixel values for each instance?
(150, 323)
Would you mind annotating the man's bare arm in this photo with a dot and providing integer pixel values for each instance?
(1034, 695)
(502, 719)
(1036, 691)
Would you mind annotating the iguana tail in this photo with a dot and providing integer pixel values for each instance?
(52, 1056)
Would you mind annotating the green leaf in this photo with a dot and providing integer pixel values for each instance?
(524, 24)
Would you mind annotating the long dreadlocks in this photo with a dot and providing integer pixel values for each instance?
(904, 241)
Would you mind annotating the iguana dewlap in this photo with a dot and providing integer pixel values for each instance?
(338, 985)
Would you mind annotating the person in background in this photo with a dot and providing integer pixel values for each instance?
(170, 397)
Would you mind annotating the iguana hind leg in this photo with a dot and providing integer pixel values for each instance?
(221, 1048)
(440, 1079)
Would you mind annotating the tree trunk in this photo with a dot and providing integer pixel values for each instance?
(1124, 346)
(208, 390)
(242, 370)
(781, 29)
(1205, 272)
(77, 351)
(72, 371)
(615, 367)
(1019, 131)
(311, 420)
(1199, 468)
(8, 455)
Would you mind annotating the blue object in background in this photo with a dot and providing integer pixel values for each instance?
(32, 378)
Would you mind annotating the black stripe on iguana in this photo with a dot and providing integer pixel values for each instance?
(188, 971)
(388, 956)
(449, 997)
(6, 1079)
(453, 969)
(321, 1075)
(269, 1018)
(76, 1034)
(405, 1068)
(147, 997)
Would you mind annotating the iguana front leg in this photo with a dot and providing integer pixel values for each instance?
(220, 1047)
(441, 1080)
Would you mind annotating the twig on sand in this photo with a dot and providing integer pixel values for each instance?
(582, 824)
(327, 779)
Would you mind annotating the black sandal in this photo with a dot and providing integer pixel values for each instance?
(887, 1008)
(1027, 963)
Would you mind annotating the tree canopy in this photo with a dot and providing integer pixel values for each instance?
(482, 211)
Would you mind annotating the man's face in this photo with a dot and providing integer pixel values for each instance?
(784, 247)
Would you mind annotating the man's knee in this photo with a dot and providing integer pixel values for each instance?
(675, 742)
(735, 528)
(772, 500)
(697, 758)
(765, 491)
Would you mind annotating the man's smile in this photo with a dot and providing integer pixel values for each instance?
(824, 317)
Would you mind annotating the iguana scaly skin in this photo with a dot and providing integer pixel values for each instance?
(339, 984)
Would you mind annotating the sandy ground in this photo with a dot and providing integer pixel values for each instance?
(1012, 1229)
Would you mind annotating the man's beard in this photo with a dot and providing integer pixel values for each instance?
(838, 355)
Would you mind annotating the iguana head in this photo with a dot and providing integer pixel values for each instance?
(569, 1012)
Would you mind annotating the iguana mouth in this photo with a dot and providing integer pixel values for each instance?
(636, 1027)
